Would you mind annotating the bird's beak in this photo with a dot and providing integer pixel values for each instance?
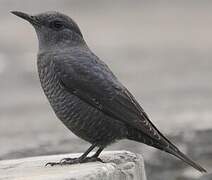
(32, 19)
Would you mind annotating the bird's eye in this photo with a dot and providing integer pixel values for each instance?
(56, 25)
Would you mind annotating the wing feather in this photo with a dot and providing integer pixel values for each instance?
(93, 82)
(85, 76)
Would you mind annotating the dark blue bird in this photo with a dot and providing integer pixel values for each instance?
(85, 95)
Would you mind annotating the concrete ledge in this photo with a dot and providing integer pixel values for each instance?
(119, 165)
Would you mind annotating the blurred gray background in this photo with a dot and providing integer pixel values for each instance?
(161, 50)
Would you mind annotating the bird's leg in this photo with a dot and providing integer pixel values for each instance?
(98, 152)
(85, 159)
(95, 157)
(80, 159)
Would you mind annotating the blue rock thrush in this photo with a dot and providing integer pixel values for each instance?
(85, 95)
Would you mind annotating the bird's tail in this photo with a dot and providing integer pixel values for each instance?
(165, 145)
(176, 152)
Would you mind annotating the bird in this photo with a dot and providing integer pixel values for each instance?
(86, 95)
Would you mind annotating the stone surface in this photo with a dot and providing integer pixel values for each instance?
(118, 165)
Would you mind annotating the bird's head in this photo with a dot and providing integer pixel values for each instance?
(53, 29)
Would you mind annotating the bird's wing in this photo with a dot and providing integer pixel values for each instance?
(93, 82)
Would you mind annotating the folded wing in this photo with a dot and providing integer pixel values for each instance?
(92, 81)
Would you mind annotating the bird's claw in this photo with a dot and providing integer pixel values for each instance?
(69, 161)
(64, 161)
(52, 163)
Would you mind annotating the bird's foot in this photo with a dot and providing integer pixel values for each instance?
(64, 161)
(92, 159)
(68, 161)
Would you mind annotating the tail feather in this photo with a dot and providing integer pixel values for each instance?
(184, 158)
(163, 144)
